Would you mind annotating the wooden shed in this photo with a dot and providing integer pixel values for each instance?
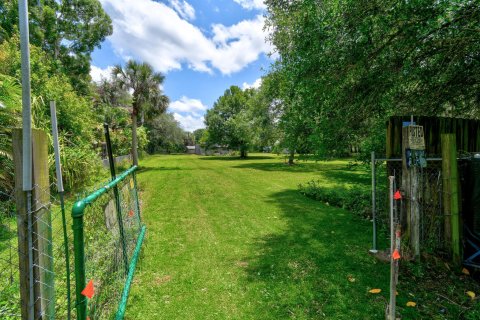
(432, 196)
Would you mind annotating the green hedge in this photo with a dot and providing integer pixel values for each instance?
(356, 199)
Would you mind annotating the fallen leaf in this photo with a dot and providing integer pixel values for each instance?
(411, 304)
(465, 271)
(351, 279)
(471, 294)
(375, 291)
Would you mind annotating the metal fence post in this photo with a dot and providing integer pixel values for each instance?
(58, 170)
(391, 307)
(137, 200)
(116, 192)
(374, 200)
(79, 250)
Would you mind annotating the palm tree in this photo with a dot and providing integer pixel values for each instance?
(148, 99)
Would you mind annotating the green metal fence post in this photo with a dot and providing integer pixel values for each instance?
(79, 244)
(79, 249)
(135, 186)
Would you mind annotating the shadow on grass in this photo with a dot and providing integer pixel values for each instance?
(147, 169)
(338, 173)
(279, 166)
(304, 271)
(348, 176)
(230, 158)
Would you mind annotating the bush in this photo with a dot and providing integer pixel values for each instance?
(356, 199)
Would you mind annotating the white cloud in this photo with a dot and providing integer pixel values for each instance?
(187, 105)
(256, 84)
(189, 112)
(98, 74)
(189, 122)
(252, 4)
(183, 8)
(154, 32)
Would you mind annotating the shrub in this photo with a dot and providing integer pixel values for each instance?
(356, 199)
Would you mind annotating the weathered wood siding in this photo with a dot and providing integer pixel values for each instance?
(467, 132)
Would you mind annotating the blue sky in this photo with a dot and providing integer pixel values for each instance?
(201, 46)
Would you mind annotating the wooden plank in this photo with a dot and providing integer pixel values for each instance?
(467, 130)
(411, 188)
(451, 193)
(43, 222)
(22, 222)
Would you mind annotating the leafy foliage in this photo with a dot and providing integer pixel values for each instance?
(240, 119)
(356, 200)
(75, 117)
(9, 117)
(228, 121)
(165, 135)
(346, 66)
(67, 31)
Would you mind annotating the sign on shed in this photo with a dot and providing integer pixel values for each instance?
(416, 138)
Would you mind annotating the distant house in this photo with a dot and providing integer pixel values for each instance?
(216, 150)
(191, 149)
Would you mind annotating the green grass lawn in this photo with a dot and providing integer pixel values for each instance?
(234, 239)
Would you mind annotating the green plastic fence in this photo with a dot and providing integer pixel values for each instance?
(107, 236)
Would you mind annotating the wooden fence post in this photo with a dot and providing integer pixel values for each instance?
(42, 246)
(42, 219)
(412, 141)
(451, 194)
(22, 225)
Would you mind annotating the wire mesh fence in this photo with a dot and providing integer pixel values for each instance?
(429, 197)
(111, 229)
(34, 275)
(38, 256)
(9, 257)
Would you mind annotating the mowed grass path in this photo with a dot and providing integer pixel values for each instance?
(234, 239)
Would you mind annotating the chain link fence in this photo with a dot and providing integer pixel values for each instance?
(109, 232)
(429, 199)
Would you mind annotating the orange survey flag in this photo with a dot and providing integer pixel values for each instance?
(89, 290)
(397, 195)
(396, 255)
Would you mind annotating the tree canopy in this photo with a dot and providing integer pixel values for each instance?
(348, 65)
(229, 122)
(67, 31)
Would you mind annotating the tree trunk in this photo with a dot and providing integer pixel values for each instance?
(134, 139)
(243, 152)
(291, 157)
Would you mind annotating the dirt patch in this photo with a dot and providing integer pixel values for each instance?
(161, 280)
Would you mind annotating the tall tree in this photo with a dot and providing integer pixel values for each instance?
(165, 134)
(148, 99)
(351, 64)
(67, 30)
(228, 122)
(198, 134)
